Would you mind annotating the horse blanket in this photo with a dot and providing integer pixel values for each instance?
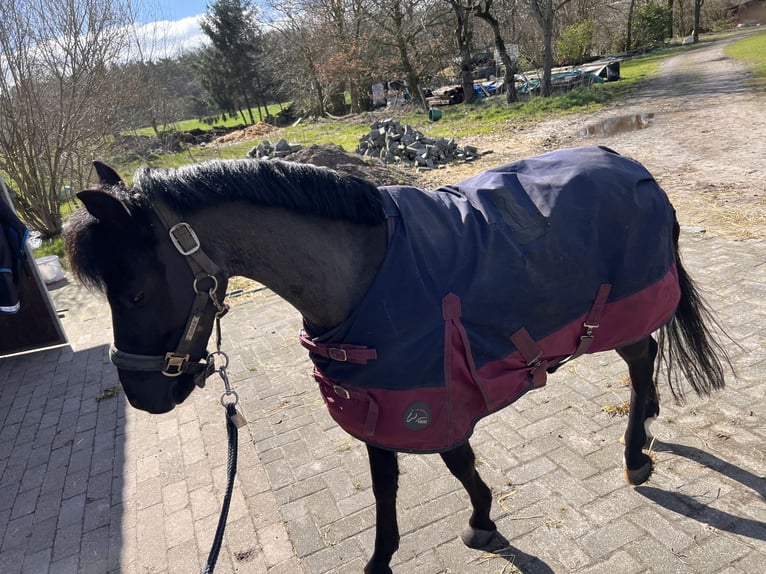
(489, 284)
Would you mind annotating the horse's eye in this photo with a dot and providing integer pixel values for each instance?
(138, 297)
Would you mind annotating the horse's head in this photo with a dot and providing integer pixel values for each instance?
(160, 321)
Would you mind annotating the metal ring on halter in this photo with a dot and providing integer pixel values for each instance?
(229, 393)
(214, 288)
(214, 354)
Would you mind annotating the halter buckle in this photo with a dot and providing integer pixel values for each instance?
(174, 364)
(178, 240)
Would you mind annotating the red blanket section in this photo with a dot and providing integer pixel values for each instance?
(436, 419)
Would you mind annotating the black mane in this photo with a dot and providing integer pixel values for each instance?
(297, 187)
(305, 189)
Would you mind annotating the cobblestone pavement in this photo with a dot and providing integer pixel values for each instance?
(89, 485)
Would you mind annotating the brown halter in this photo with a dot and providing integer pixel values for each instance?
(207, 307)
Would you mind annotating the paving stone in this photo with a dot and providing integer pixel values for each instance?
(42, 535)
(25, 502)
(67, 541)
(16, 532)
(12, 560)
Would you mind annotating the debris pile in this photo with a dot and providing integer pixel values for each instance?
(446, 96)
(247, 133)
(394, 143)
(268, 150)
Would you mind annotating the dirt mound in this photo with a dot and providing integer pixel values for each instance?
(373, 170)
(246, 134)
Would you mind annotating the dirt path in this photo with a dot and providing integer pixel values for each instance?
(705, 141)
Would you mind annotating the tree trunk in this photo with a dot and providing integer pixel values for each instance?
(697, 11)
(547, 87)
(545, 14)
(413, 80)
(670, 18)
(509, 77)
(629, 29)
(464, 35)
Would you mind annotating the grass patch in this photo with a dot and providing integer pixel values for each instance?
(53, 246)
(197, 123)
(751, 51)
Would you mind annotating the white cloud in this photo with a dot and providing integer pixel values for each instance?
(169, 38)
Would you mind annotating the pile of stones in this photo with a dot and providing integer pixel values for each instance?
(268, 150)
(392, 142)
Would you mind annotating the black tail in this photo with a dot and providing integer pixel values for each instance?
(690, 344)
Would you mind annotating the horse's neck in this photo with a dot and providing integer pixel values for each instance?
(322, 267)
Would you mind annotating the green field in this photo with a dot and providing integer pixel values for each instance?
(752, 51)
(198, 123)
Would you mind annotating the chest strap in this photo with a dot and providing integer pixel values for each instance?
(357, 354)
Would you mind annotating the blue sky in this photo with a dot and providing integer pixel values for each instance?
(175, 21)
(178, 9)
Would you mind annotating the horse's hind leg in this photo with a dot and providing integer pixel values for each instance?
(385, 483)
(644, 407)
(462, 463)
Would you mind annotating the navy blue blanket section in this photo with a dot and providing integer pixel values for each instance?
(523, 245)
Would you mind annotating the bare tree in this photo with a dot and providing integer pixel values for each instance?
(544, 12)
(629, 26)
(464, 11)
(323, 40)
(57, 96)
(408, 32)
(485, 12)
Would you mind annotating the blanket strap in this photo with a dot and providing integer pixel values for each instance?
(332, 389)
(592, 320)
(357, 354)
(532, 354)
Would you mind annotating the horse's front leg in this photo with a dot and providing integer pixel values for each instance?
(385, 482)
(644, 408)
(462, 464)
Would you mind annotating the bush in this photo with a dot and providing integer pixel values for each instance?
(575, 43)
(651, 25)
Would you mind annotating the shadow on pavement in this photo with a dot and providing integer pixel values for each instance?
(62, 443)
(693, 508)
(522, 562)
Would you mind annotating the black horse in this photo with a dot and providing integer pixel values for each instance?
(423, 310)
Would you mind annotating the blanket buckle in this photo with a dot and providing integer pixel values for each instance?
(338, 354)
(341, 392)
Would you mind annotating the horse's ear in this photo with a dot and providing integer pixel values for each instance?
(104, 206)
(107, 176)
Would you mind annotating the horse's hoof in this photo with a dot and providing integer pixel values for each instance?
(377, 568)
(639, 475)
(476, 537)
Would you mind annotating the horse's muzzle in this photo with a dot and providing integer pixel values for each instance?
(154, 392)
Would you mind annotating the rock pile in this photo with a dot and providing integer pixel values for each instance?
(268, 150)
(394, 143)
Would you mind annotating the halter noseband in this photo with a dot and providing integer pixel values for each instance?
(207, 306)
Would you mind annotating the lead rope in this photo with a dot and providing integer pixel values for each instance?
(234, 421)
